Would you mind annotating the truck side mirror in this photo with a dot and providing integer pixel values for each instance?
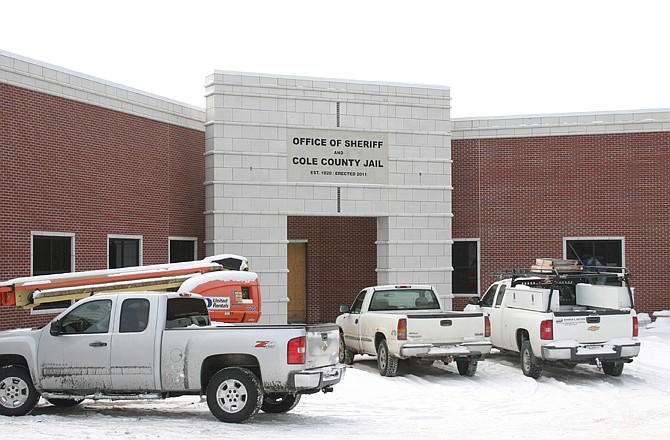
(344, 308)
(474, 300)
(55, 328)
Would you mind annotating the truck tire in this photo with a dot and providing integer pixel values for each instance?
(466, 367)
(18, 395)
(346, 355)
(530, 365)
(279, 402)
(234, 395)
(65, 403)
(386, 363)
(613, 368)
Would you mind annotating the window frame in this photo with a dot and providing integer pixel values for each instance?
(194, 240)
(479, 280)
(600, 238)
(45, 310)
(139, 238)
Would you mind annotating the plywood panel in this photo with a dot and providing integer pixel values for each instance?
(297, 285)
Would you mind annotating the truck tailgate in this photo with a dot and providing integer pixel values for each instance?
(322, 345)
(590, 327)
(445, 327)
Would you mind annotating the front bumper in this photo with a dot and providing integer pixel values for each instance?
(583, 353)
(429, 351)
(316, 379)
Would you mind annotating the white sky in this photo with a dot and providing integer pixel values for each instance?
(498, 57)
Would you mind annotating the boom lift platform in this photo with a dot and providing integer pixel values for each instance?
(231, 291)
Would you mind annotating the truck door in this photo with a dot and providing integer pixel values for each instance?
(75, 354)
(351, 323)
(133, 345)
(488, 306)
(496, 316)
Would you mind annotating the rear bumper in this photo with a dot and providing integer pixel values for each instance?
(429, 351)
(316, 379)
(583, 353)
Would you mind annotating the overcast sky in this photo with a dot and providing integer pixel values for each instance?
(499, 58)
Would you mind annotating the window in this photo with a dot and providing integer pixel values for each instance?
(183, 249)
(52, 253)
(134, 315)
(91, 317)
(184, 312)
(124, 251)
(487, 299)
(595, 251)
(358, 303)
(465, 260)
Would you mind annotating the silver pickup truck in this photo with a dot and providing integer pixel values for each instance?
(409, 322)
(146, 345)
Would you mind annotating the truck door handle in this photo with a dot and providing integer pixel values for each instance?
(98, 344)
(445, 322)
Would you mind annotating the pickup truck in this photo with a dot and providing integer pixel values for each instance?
(408, 322)
(585, 316)
(145, 345)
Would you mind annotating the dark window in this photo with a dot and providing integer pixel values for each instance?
(184, 312)
(466, 269)
(51, 254)
(134, 315)
(595, 252)
(182, 250)
(124, 252)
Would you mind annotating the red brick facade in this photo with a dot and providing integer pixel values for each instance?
(522, 196)
(76, 168)
(341, 259)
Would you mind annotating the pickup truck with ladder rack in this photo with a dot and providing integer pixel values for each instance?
(563, 312)
(231, 291)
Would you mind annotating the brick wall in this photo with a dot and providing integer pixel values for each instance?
(77, 168)
(341, 260)
(522, 196)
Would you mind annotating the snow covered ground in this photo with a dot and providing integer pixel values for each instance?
(423, 402)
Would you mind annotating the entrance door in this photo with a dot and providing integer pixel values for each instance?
(297, 282)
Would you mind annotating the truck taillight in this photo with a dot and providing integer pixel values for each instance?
(296, 350)
(402, 329)
(636, 327)
(487, 327)
(547, 330)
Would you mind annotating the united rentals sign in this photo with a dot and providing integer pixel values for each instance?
(337, 156)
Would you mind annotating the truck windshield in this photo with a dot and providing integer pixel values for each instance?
(404, 299)
(185, 312)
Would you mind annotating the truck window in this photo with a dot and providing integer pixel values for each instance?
(487, 299)
(91, 317)
(184, 312)
(501, 295)
(134, 315)
(358, 303)
(404, 299)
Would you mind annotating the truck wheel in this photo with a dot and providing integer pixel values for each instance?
(386, 363)
(18, 395)
(466, 367)
(530, 365)
(65, 403)
(279, 402)
(613, 368)
(234, 395)
(346, 355)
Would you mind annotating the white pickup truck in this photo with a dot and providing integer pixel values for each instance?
(585, 316)
(408, 322)
(146, 345)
